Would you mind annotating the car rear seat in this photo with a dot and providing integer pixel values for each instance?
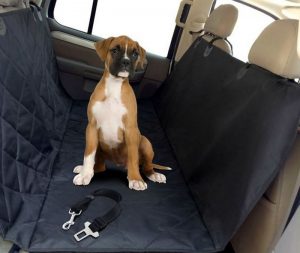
(266, 222)
(219, 26)
(208, 99)
(200, 124)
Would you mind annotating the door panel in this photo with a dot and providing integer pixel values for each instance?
(81, 68)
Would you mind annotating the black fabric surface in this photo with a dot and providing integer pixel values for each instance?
(42, 140)
(231, 126)
(34, 112)
(162, 218)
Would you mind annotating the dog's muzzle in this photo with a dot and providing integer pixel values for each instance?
(125, 68)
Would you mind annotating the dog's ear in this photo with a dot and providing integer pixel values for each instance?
(102, 47)
(142, 61)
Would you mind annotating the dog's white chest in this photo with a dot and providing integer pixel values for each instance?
(109, 112)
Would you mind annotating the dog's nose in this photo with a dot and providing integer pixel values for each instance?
(125, 62)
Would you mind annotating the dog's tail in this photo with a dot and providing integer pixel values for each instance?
(160, 167)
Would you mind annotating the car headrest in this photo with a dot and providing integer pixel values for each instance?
(11, 5)
(275, 49)
(222, 20)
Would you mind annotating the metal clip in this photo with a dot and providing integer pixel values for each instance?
(86, 232)
(69, 223)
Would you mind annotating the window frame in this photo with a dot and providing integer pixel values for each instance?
(91, 20)
(173, 42)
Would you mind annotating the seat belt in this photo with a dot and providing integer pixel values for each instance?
(99, 223)
(177, 36)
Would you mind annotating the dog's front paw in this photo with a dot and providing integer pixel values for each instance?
(83, 178)
(137, 185)
(77, 169)
(157, 177)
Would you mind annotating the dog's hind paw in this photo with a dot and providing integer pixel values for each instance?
(137, 185)
(157, 177)
(77, 169)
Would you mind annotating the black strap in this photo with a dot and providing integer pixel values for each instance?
(204, 33)
(220, 38)
(198, 32)
(14, 249)
(231, 47)
(32, 3)
(215, 37)
(100, 222)
(36, 10)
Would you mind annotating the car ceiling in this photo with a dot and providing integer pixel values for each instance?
(279, 8)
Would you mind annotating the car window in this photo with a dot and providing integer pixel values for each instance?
(73, 13)
(151, 22)
(250, 24)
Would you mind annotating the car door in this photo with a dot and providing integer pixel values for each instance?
(76, 25)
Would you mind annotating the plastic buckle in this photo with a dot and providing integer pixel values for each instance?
(69, 223)
(86, 232)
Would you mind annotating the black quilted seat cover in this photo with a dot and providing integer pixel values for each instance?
(42, 140)
(231, 126)
(223, 126)
(34, 113)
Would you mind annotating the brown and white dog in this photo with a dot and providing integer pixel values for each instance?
(112, 132)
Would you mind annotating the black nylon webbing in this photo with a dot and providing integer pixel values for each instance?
(100, 222)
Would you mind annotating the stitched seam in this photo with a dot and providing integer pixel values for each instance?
(16, 100)
(19, 134)
(27, 165)
(49, 184)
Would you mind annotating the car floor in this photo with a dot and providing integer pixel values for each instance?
(5, 247)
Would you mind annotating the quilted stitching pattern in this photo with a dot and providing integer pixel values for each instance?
(34, 112)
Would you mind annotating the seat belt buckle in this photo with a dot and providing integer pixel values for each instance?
(82, 234)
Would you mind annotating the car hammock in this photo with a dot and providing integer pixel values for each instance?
(225, 127)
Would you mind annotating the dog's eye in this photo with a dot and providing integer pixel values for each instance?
(115, 50)
(135, 54)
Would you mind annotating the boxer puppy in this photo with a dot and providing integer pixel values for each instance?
(112, 132)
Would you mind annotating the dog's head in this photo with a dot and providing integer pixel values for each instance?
(122, 55)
